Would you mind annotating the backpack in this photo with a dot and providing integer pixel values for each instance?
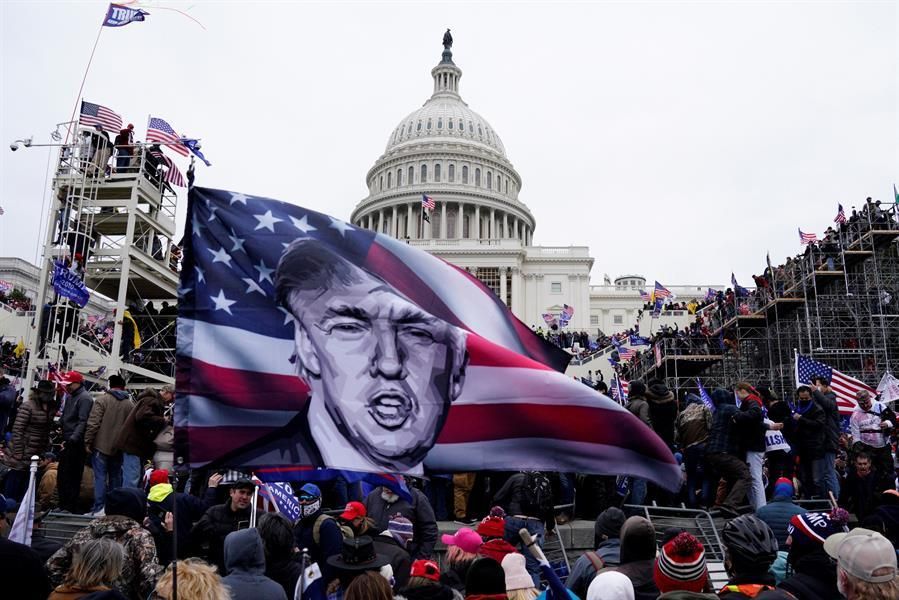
(538, 494)
(346, 530)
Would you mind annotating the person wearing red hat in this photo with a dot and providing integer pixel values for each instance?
(124, 145)
(161, 500)
(355, 516)
(493, 528)
(75, 414)
(681, 567)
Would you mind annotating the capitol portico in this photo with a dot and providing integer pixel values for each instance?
(450, 153)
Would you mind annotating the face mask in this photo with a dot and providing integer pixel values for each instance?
(309, 507)
(389, 496)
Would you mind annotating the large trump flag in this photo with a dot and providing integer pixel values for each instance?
(307, 341)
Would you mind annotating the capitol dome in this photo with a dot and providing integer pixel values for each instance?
(446, 153)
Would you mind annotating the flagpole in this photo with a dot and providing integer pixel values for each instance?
(84, 79)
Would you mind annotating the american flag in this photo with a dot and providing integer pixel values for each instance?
(173, 175)
(241, 402)
(427, 202)
(644, 295)
(841, 215)
(843, 385)
(619, 390)
(623, 353)
(94, 114)
(710, 294)
(567, 311)
(660, 291)
(807, 238)
(158, 130)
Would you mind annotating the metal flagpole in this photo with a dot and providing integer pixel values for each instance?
(84, 79)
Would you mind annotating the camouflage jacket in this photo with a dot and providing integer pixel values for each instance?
(141, 568)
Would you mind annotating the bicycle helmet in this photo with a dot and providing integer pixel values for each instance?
(749, 541)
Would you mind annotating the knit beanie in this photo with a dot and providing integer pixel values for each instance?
(681, 565)
(783, 487)
(158, 476)
(485, 576)
(809, 530)
(401, 529)
(494, 524)
(517, 576)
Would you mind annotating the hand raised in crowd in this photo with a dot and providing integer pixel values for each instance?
(214, 480)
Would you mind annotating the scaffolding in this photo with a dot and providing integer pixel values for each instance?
(111, 223)
(838, 303)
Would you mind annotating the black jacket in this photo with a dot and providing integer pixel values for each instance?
(22, 572)
(387, 546)
(419, 512)
(806, 434)
(74, 416)
(190, 509)
(828, 403)
(815, 577)
(750, 425)
(721, 438)
(210, 531)
(513, 499)
(285, 571)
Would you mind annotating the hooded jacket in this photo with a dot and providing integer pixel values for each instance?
(141, 568)
(662, 411)
(721, 438)
(777, 514)
(108, 415)
(832, 425)
(190, 509)
(806, 434)
(750, 424)
(144, 422)
(638, 553)
(387, 546)
(30, 432)
(74, 416)
(245, 565)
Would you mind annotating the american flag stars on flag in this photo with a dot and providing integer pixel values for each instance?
(95, 114)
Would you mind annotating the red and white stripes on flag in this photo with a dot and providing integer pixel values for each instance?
(807, 238)
(95, 115)
(158, 130)
(841, 215)
(173, 174)
(845, 386)
(427, 202)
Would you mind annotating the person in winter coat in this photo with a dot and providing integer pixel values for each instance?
(780, 462)
(143, 424)
(780, 510)
(282, 563)
(392, 545)
(825, 471)
(125, 510)
(75, 413)
(318, 532)
(691, 433)
(750, 426)
(638, 553)
(382, 505)
(492, 529)
(722, 453)
(245, 565)
(859, 493)
(805, 432)
(30, 436)
(814, 574)
(681, 572)
(639, 407)
(662, 410)
(606, 530)
(7, 403)
(208, 535)
(108, 415)
(95, 565)
(161, 499)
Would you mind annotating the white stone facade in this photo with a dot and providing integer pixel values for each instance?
(450, 153)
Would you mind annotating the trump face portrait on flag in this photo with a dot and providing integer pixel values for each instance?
(305, 341)
(382, 372)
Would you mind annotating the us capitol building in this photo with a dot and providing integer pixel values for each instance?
(447, 151)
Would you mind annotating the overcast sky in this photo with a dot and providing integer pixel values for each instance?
(680, 141)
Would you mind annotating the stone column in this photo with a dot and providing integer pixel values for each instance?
(502, 284)
(443, 220)
(477, 221)
(506, 225)
(516, 293)
(460, 221)
(369, 221)
(409, 221)
(492, 229)
(380, 220)
(394, 226)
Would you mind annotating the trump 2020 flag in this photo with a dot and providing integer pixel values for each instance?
(119, 16)
(305, 340)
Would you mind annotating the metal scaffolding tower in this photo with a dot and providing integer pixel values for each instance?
(114, 227)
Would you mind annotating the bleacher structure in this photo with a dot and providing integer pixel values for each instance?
(118, 224)
(838, 305)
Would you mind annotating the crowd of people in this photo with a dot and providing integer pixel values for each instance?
(148, 512)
